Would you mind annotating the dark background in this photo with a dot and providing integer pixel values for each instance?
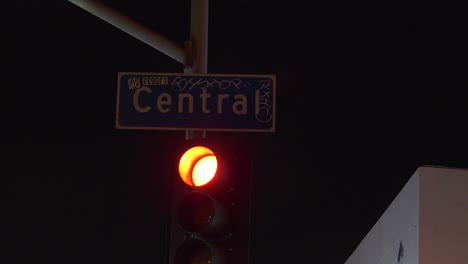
(366, 93)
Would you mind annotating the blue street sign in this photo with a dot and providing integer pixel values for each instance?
(210, 102)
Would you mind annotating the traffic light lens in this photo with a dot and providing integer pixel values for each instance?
(198, 166)
(204, 170)
(194, 252)
(196, 213)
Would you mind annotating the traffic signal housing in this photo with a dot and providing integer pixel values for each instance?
(210, 205)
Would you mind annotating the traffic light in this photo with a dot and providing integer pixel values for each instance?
(210, 204)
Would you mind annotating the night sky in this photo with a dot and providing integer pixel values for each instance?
(366, 93)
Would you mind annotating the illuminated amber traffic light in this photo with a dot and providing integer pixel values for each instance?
(210, 207)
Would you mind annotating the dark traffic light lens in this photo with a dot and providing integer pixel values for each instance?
(196, 212)
(194, 252)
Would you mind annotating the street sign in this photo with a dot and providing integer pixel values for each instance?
(210, 102)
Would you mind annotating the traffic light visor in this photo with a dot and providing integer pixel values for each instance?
(198, 166)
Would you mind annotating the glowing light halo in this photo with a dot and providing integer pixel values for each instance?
(198, 166)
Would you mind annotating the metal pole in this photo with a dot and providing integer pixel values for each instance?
(199, 35)
(133, 28)
(199, 45)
